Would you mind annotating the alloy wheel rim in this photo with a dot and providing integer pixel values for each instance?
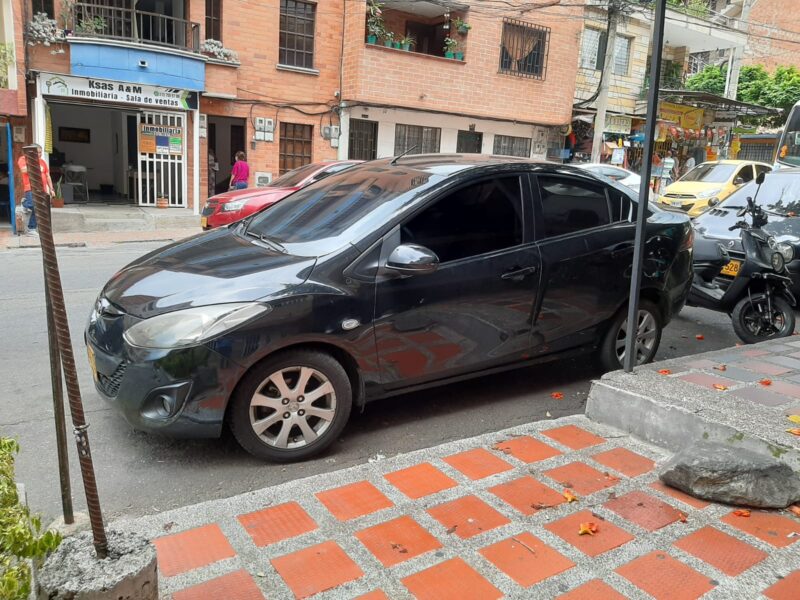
(292, 408)
(756, 321)
(646, 334)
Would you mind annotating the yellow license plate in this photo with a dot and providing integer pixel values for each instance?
(732, 268)
(203, 221)
(92, 361)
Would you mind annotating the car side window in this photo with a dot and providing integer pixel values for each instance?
(473, 220)
(622, 207)
(762, 169)
(570, 205)
(746, 173)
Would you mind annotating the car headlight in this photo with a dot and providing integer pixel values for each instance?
(787, 250)
(191, 326)
(709, 193)
(777, 261)
(232, 206)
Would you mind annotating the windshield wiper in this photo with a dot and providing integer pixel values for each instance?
(269, 242)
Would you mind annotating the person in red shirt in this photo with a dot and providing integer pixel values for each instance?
(26, 186)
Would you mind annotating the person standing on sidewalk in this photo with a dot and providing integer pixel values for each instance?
(240, 173)
(26, 186)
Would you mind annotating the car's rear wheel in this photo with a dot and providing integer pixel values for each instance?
(291, 406)
(648, 337)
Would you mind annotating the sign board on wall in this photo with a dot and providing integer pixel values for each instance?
(263, 179)
(688, 117)
(160, 139)
(618, 124)
(119, 92)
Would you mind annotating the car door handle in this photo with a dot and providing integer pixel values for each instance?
(518, 274)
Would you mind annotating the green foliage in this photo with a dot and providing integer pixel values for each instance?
(693, 8)
(711, 80)
(7, 60)
(21, 536)
(375, 24)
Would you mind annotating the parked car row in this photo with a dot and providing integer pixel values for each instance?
(384, 277)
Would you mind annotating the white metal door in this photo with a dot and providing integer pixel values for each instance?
(162, 158)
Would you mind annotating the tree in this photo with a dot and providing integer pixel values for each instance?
(711, 80)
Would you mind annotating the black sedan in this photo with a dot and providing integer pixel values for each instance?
(390, 276)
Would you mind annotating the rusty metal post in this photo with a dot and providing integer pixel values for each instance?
(56, 293)
(58, 411)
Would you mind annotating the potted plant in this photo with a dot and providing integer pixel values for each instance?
(57, 201)
(162, 202)
(375, 24)
(461, 26)
(449, 47)
(388, 39)
(397, 44)
(407, 42)
(459, 56)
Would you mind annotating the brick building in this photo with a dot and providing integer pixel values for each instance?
(774, 34)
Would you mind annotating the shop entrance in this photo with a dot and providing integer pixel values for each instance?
(226, 137)
(162, 163)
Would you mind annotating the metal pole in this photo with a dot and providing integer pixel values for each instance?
(58, 411)
(56, 292)
(644, 187)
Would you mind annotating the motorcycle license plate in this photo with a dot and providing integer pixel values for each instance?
(732, 268)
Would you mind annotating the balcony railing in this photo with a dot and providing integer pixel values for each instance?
(112, 22)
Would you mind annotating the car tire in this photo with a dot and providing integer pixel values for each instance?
(260, 401)
(742, 310)
(609, 356)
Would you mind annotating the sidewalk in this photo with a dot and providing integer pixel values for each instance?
(100, 239)
(486, 517)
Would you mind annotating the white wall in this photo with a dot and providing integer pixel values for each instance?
(450, 125)
(98, 155)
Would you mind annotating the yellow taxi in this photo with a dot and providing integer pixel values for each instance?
(709, 183)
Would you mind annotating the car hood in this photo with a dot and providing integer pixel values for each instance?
(275, 193)
(692, 187)
(211, 268)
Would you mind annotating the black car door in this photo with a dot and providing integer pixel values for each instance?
(585, 234)
(475, 310)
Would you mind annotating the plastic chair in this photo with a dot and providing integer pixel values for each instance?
(76, 177)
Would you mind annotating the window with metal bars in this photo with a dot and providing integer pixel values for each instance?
(509, 145)
(593, 51)
(423, 140)
(363, 140)
(214, 20)
(296, 45)
(295, 146)
(524, 48)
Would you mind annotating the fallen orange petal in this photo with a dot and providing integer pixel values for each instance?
(742, 512)
(795, 510)
(721, 368)
(699, 336)
(795, 431)
(557, 395)
(664, 372)
(765, 382)
(570, 496)
(682, 517)
(588, 529)
(720, 387)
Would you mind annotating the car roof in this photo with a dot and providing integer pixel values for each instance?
(448, 164)
(730, 161)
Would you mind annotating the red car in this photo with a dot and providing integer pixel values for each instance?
(235, 205)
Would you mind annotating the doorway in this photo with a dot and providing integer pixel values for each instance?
(469, 142)
(226, 137)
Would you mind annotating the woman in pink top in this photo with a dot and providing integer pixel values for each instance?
(240, 172)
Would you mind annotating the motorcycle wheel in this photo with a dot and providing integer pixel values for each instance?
(752, 325)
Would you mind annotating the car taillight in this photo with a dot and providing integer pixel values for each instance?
(688, 240)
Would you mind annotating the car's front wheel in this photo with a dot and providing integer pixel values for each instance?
(648, 337)
(291, 406)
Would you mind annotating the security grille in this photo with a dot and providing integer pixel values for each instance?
(415, 139)
(524, 49)
(509, 145)
(363, 141)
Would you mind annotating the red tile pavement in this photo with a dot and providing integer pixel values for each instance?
(376, 595)
(625, 461)
(451, 580)
(785, 589)
(467, 517)
(765, 368)
(679, 495)
(573, 437)
(478, 463)
(708, 381)
(354, 500)
(785, 388)
(397, 540)
(316, 569)
(768, 527)
(593, 590)
(233, 586)
(277, 523)
(720, 550)
(420, 480)
(192, 549)
(526, 559)
(608, 536)
(527, 495)
(645, 510)
(665, 578)
(527, 449)
(581, 478)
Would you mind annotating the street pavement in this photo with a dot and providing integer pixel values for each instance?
(141, 473)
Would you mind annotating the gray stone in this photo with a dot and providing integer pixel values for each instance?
(73, 571)
(732, 475)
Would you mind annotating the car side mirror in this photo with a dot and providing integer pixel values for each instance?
(411, 259)
(738, 181)
(761, 177)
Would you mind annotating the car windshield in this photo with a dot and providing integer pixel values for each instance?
(710, 173)
(294, 177)
(340, 209)
(789, 151)
(780, 194)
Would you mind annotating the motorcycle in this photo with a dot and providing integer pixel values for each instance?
(756, 291)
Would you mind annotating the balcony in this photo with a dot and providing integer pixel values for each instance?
(90, 20)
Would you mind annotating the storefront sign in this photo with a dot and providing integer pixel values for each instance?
(160, 139)
(688, 117)
(617, 124)
(120, 92)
